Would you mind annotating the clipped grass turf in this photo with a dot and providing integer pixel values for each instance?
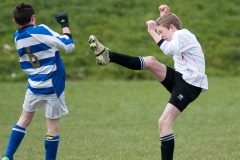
(118, 120)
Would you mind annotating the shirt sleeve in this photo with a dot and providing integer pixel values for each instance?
(54, 39)
(179, 43)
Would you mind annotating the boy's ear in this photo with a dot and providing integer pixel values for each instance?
(33, 18)
(172, 27)
(14, 21)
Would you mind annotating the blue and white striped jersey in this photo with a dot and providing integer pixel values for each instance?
(38, 48)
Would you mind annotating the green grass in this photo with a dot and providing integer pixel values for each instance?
(117, 120)
(121, 26)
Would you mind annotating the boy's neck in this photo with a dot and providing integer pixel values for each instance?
(26, 25)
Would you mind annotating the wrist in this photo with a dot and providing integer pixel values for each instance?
(66, 30)
(68, 34)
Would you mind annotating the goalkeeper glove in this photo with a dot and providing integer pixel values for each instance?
(62, 19)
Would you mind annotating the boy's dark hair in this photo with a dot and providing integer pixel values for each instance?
(22, 13)
(168, 19)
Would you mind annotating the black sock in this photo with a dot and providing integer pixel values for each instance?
(167, 147)
(134, 63)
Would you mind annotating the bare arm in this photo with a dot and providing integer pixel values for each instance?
(151, 30)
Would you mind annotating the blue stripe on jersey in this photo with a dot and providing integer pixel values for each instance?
(42, 91)
(34, 49)
(59, 78)
(26, 32)
(43, 62)
(66, 41)
(41, 30)
(23, 35)
(41, 77)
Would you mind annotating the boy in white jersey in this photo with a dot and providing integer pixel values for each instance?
(38, 48)
(185, 83)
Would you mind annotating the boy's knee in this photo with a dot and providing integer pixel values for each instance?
(160, 124)
(149, 61)
(164, 125)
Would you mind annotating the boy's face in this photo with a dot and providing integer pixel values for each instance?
(166, 33)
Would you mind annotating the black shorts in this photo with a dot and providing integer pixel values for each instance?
(182, 93)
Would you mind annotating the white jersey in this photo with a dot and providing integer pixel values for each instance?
(188, 57)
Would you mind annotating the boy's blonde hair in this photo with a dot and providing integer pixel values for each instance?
(168, 19)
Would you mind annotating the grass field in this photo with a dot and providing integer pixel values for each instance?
(117, 120)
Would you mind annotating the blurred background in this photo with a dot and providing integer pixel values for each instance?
(120, 25)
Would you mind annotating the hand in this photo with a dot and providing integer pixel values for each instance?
(152, 30)
(62, 19)
(151, 25)
(164, 9)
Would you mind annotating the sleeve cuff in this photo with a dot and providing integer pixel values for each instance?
(160, 42)
(68, 34)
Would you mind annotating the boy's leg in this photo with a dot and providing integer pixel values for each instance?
(52, 139)
(55, 108)
(182, 94)
(18, 133)
(158, 69)
(104, 56)
(166, 133)
(140, 63)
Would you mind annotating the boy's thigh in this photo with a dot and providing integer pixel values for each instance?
(33, 102)
(183, 93)
(168, 82)
(157, 68)
(54, 107)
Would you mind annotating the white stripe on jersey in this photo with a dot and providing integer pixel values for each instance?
(30, 41)
(42, 70)
(41, 84)
(40, 55)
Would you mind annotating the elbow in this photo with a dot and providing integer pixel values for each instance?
(69, 48)
(168, 53)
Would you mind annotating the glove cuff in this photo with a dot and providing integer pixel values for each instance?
(64, 25)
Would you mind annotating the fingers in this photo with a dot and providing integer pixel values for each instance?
(150, 22)
(151, 25)
(164, 9)
(147, 22)
(161, 7)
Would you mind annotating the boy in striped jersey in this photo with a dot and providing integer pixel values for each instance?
(185, 83)
(38, 48)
